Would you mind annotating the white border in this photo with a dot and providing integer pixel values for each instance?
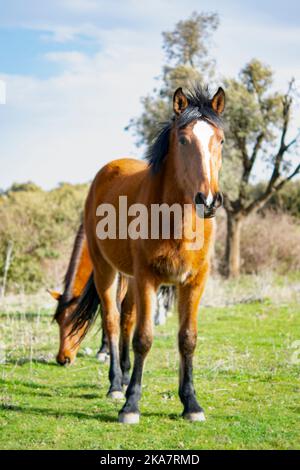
(2, 92)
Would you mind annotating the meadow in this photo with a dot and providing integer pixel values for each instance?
(246, 376)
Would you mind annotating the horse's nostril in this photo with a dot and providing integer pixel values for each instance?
(200, 198)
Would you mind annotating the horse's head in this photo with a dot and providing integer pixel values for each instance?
(196, 140)
(68, 343)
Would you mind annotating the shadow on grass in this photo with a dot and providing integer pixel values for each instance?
(27, 360)
(22, 383)
(101, 417)
(35, 386)
(58, 414)
(60, 393)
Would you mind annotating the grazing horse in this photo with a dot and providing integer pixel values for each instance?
(183, 167)
(78, 272)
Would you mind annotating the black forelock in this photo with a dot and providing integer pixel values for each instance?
(199, 107)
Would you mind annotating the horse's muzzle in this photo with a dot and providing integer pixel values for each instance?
(63, 361)
(208, 210)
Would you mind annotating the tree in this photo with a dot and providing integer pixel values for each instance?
(187, 62)
(37, 230)
(258, 123)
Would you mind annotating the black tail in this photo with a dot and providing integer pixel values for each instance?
(169, 295)
(86, 311)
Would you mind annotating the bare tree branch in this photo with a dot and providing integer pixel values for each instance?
(283, 147)
(260, 201)
(293, 141)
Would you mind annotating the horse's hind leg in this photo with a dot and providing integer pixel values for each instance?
(128, 312)
(103, 352)
(145, 295)
(106, 281)
(189, 297)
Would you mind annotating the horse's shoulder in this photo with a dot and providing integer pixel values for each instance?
(122, 166)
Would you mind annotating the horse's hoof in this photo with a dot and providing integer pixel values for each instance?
(116, 395)
(102, 357)
(199, 416)
(129, 418)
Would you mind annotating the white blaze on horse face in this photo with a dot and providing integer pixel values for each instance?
(204, 131)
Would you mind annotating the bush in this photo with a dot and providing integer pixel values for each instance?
(269, 242)
(41, 226)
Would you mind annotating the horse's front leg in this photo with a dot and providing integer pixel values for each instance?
(188, 303)
(128, 314)
(145, 295)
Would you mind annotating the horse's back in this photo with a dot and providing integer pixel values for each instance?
(123, 177)
(121, 168)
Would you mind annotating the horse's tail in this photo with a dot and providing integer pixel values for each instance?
(86, 310)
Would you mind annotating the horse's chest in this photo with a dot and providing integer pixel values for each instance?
(174, 267)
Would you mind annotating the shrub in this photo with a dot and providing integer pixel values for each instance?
(269, 241)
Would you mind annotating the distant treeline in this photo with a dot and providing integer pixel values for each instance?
(38, 228)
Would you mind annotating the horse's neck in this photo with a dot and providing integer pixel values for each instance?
(169, 186)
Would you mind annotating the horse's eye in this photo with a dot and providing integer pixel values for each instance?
(183, 141)
(222, 141)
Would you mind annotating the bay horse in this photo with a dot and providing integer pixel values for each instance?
(182, 168)
(79, 270)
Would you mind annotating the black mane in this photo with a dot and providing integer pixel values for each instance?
(67, 297)
(199, 108)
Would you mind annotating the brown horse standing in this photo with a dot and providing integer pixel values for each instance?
(183, 167)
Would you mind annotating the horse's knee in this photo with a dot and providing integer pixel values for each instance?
(127, 324)
(187, 340)
(142, 343)
(112, 325)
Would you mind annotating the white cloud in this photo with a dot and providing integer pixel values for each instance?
(66, 127)
(82, 5)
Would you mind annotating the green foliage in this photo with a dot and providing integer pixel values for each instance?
(186, 49)
(41, 225)
(253, 116)
(17, 187)
(251, 107)
(287, 200)
(188, 43)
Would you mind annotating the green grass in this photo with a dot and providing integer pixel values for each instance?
(246, 377)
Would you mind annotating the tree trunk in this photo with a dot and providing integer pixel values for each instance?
(233, 245)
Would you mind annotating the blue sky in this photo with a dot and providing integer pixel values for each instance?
(75, 71)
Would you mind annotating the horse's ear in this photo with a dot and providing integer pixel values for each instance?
(180, 101)
(218, 101)
(54, 294)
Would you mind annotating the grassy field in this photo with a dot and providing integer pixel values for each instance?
(246, 376)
